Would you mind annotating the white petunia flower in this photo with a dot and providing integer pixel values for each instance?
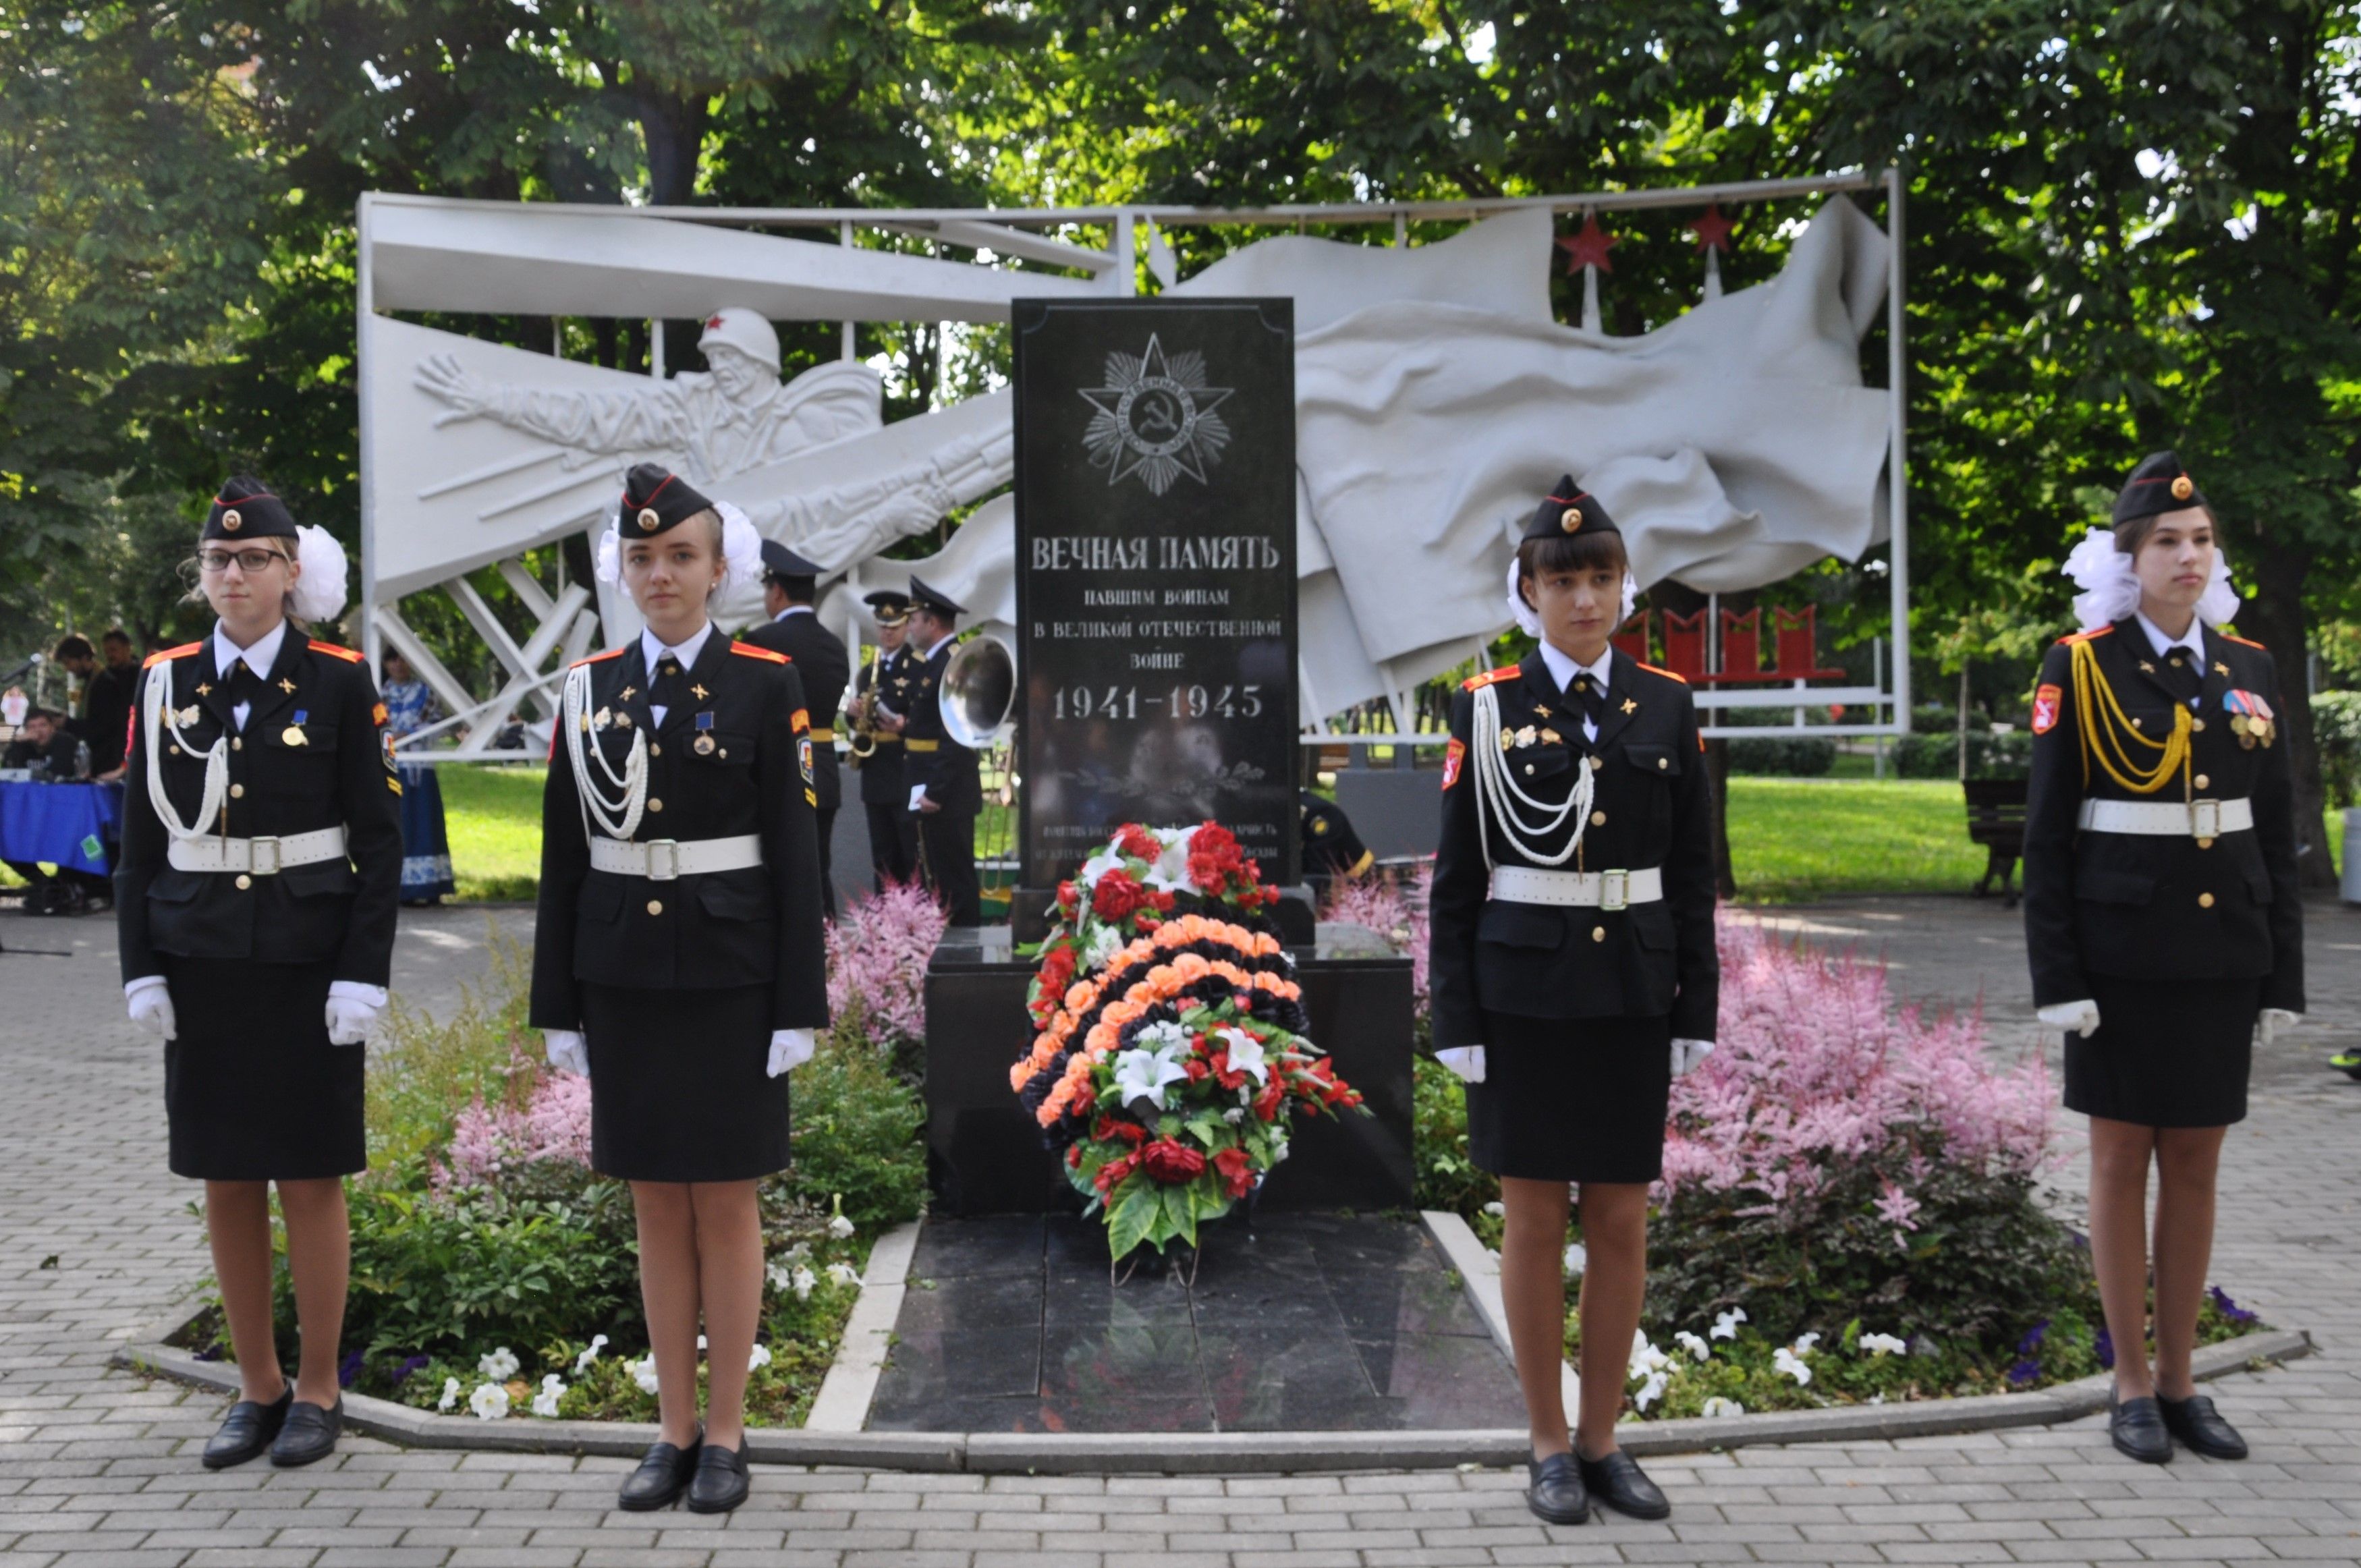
(843, 1273)
(839, 1227)
(1719, 1406)
(552, 1388)
(450, 1395)
(590, 1353)
(489, 1401)
(801, 1283)
(1693, 1344)
(499, 1365)
(1804, 1343)
(1246, 1054)
(1645, 1357)
(1139, 1074)
(1496, 1208)
(643, 1372)
(1725, 1325)
(1577, 1258)
(1651, 1391)
(1883, 1344)
(1787, 1362)
(757, 1358)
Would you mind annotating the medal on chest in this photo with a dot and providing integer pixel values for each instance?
(294, 734)
(704, 744)
(2251, 719)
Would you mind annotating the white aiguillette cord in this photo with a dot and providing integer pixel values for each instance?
(1498, 790)
(157, 699)
(633, 780)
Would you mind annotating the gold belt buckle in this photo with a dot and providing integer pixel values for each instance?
(2205, 818)
(1614, 890)
(663, 867)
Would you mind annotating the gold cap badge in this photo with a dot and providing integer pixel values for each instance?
(2183, 488)
(648, 520)
(231, 522)
(1571, 519)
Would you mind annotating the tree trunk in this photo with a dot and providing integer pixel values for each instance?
(673, 128)
(2276, 617)
(1717, 774)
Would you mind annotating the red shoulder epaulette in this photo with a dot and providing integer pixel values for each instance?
(2073, 637)
(597, 658)
(1668, 674)
(181, 652)
(346, 654)
(754, 653)
(1491, 677)
(2241, 641)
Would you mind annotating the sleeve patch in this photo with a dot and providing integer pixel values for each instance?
(804, 757)
(1454, 757)
(2044, 709)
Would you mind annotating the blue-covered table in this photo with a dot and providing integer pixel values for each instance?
(68, 826)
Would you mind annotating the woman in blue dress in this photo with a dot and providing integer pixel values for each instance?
(410, 706)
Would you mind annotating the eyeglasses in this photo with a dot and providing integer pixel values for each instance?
(250, 561)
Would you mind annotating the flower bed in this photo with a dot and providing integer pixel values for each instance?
(494, 1273)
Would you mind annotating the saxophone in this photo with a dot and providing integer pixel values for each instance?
(865, 727)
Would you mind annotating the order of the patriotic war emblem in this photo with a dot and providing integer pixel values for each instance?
(1156, 417)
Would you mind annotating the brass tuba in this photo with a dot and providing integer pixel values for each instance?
(977, 692)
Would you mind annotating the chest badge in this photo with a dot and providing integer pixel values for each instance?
(704, 742)
(287, 686)
(187, 716)
(2251, 718)
(599, 720)
(625, 695)
(294, 734)
(1630, 705)
(700, 693)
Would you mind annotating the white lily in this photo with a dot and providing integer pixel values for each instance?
(1162, 1036)
(1145, 1073)
(1098, 865)
(1170, 871)
(1246, 1054)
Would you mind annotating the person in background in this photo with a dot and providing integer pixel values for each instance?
(52, 755)
(106, 706)
(2162, 918)
(81, 661)
(879, 711)
(410, 706)
(789, 581)
(946, 788)
(254, 909)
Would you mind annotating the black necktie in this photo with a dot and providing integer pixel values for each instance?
(1592, 698)
(666, 692)
(244, 685)
(2184, 674)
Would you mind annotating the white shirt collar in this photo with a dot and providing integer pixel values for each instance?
(1563, 669)
(653, 652)
(2194, 641)
(258, 658)
(795, 610)
(948, 638)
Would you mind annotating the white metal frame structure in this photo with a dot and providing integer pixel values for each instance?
(567, 620)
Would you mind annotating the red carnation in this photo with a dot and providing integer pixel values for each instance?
(1237, 1171)
(1117, 896)
(1196, 1068)
(1138, 842)
(1172, 1162)
(1074, 1157)
(1068, 898)
(1266, 1104)
(1110, 1174)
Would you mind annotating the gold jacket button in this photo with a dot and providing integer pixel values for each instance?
(655, 905)
(244, 881)
(2198, 725)
(655, 806)
(2202, 781)
(176, 751)
(1529, 770)
(237, 743)
(1598, 819)
(237, 792)
(1599, 933)
(2205, 901)
(654, 750)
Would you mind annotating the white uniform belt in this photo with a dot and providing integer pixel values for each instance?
(661, 859)
(2167, 819)
(1578, 889)
(258, 857)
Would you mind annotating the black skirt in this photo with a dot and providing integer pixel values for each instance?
(253, 1091)
(678, 1086)
(1572, 1099)
(2167, 1053)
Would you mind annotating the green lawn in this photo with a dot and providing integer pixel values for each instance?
(1792, 840)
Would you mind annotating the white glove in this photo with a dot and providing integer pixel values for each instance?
(790, 1048)
(2274, 1020)
(1467, 1061)
(2081, 1017)
(566, 1051)
(1688, 1054)
(350, 1020)
(151, 1009)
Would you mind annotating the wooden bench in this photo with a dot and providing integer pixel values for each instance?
(1996, 820)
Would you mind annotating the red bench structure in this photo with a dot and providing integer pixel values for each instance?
(1687, 650)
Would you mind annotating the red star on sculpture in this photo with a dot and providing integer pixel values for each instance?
(1590, 247)
(1712, 230)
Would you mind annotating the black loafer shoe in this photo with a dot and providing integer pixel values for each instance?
(1556, 1493)
(663, 1476)
(1620, 1483)
(2195, 1422)
(309, 1436)
(2136, 1429)
(247, 1430)
(722, 1481)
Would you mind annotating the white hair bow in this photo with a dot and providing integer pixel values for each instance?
(741, 547)
(2111, 588)
(319, 591)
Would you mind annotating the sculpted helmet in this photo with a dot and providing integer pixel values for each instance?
(744, 330)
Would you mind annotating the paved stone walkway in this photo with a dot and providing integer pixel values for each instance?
(98, 1466)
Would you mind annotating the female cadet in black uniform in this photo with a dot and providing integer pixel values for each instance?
(2161, 915)
(678, 956)
(1572, 961)
(254, 905)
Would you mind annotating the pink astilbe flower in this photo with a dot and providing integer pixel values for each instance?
(877, 955)
(1816, 1073)
(1395, 911)
(552, 1123)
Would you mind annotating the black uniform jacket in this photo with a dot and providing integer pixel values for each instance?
(759, 926)
(312, 755)
(930, 756)
(881, 771)
(2143, 907)
(818, 657)
(1538, 961)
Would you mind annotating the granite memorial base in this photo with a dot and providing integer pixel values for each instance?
(983, 1151)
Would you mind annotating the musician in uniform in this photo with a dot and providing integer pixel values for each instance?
(1573, 970)
(946, 790)
(789, 584)
(2161, 915)
(880, 709)
(254, 906)
(678, 959)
